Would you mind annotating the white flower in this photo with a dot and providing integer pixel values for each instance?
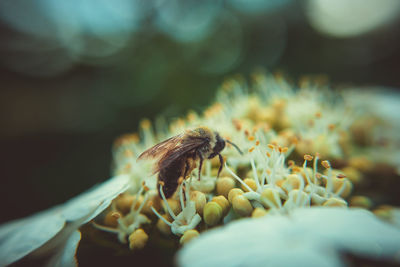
(305, 237)
(188, 218)
(55, 230)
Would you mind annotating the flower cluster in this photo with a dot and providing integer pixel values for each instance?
(299, 152)
(303, 147)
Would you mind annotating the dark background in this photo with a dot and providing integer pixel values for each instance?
(76, 76)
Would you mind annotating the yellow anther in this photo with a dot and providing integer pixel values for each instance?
(251, 149)
(258, 212)
(326, 164)
(188, 235)
(335, 202)
(361, 201)
(138, 239)
(308, 157)
(233, 193)
(250, 183)
(241, 205)
(111, 218)
(251, 138)
(270, 197)
(162, 226)
(200, 199)
(257, 143)
(128, 153)
(224, 185)
(145, 124)
(223, 203)
(212, 213)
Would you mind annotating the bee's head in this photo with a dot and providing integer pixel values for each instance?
(218, 147)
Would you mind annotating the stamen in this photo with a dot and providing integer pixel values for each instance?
(161, 217)
(238, 178)
(166, 203)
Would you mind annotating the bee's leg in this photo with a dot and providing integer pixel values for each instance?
(221, 164)
(200, 164)
(187, 166)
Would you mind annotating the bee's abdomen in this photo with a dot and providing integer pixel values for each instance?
(170, 176)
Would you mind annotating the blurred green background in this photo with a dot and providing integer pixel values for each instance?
(77, 74)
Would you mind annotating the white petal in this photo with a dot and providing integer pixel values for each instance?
(96, 199)
(307, 237)
(66, 256)
(21, 237)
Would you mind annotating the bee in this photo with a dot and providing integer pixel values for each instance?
(176, 157)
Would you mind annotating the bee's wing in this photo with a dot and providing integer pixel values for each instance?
(180, 151)
(159, 150)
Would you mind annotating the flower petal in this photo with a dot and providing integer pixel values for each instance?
(306, 237)
(66, 256)
(95, 200)
(21, 237)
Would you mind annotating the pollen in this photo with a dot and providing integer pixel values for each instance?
(257, 143)
(250, 183)
(258, 212)
(212, 213)
(251, 138)
(308, 157)
(251, 149)
(233, 193)
(271, 146)
(242, 206)
(200, 199)
(145, 124)
(224, 185)
(128, 153)
(111, 218)
(237, 124)
(188, 236)
(326, 164)
(138, 239)
(223, 203)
